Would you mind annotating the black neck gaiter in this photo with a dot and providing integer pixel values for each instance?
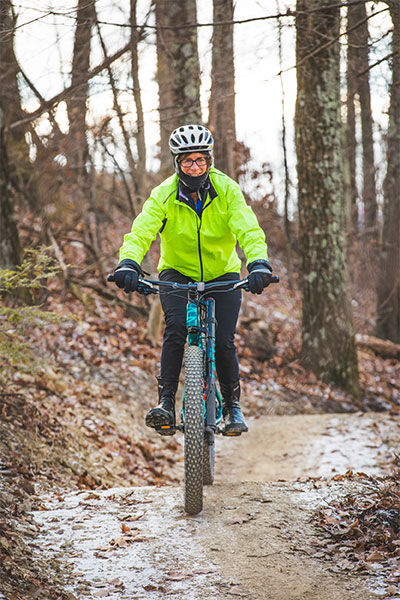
(193, 184)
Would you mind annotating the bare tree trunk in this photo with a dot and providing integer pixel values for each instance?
(21, 170)
(10, 251)
(287, 223)
(358, 83)
(10, 109)
(222, 98)
(178, 71)
(328, 345)
(76, 103)
(140, 137)
(388, 292)
(351, 143)
(78, 149)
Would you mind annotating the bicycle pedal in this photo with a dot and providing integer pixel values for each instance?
(166, 429)
(232, 433)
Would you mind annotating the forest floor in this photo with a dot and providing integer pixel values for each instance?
(305, 505)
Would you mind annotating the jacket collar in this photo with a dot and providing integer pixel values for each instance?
(183, 195)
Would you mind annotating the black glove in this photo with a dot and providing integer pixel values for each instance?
(126, 275)
(260, 273)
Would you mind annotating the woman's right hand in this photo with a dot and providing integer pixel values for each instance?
(126, 275)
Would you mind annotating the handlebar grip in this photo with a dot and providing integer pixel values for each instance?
(274, 279)
(110, 278)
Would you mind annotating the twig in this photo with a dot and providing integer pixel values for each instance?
(59, 255)
(109, 296)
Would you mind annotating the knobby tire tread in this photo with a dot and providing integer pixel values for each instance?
(194, 430)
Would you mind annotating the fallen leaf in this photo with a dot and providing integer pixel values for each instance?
(120, 542)
(132, 517)
(391, 590)
(375, 556)
(154, 588)
(4, 543)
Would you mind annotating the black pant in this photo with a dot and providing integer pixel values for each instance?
(227, 306)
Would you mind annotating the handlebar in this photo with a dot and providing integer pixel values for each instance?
(150, 286)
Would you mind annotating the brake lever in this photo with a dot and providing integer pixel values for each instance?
(143, 288)
(146, 290)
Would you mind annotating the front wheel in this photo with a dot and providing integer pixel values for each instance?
(194, 430)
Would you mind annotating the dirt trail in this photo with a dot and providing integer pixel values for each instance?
(254, 538)
(305, 446)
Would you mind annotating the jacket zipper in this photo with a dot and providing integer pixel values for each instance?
(199, 247)
(198, 238)
(198, 234)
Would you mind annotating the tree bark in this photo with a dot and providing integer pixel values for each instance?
(21, 170)
(358, 85)
(76, 103)
(351, 143)
(287, 223)
(10, 251)
(79, 163)
(388, 292)
(222, 99)
(178, 71)
(140, 137)
(328, 345)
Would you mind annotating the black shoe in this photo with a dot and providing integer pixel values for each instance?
(234, 420)
(233, 417)
(162, 417)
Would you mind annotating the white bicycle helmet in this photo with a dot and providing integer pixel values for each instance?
(191, 138)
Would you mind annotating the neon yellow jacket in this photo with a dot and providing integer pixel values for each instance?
(202, 248)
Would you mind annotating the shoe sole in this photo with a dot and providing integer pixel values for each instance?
(235, 430)
(159, 420)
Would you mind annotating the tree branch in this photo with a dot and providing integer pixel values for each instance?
(289, 13)
(45, 106)
(328, 43)
(378, 62)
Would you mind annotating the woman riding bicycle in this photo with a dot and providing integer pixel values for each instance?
(200, 214)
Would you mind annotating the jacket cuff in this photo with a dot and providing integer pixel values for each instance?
(127, 262)
(257, 263)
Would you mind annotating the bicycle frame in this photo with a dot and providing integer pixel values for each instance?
(200, 323)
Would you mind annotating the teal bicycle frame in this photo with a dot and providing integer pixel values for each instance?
(200, 323)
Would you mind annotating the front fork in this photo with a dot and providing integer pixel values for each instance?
(212, 401)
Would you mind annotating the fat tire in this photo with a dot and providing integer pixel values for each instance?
(208, 463)
(194, 430)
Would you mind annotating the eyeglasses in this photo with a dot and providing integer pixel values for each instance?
(202, 161)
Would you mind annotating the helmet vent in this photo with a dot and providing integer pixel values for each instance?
(191, 138)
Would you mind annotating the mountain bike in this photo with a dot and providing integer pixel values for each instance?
(201, 414)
